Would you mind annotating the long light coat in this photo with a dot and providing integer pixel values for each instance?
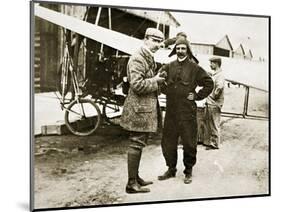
(140, 112)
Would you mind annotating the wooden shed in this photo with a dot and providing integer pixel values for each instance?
(239, 52)
(213, 46)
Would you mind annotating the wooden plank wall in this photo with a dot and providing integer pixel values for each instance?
(48, 47)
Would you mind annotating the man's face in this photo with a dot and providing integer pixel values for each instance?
(153, 44)
(213, 65)
(181, 50)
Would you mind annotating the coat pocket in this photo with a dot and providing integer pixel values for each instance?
(143, 108)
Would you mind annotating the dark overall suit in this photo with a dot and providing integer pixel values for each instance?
(180, 120)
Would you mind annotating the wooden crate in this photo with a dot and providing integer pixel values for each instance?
(58, 128)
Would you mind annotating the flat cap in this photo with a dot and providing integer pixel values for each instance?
(154, 33)
(215, 59)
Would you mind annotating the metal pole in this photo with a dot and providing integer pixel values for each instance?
(96, 23)
(159, 19)
(98, 16)
(109, 18)
(246, 101)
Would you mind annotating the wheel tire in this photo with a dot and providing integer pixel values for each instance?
(86, 125)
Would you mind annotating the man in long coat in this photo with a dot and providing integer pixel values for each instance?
(183, 76)
(141, 109)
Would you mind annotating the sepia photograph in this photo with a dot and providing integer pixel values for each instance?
(135, 105)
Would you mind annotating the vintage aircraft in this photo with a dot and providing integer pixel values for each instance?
(128, 45)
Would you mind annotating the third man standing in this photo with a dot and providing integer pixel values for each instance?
(214, 104)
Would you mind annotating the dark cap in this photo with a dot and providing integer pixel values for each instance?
(154, 33)
(181, 34)
(215, 59)
(182, 40)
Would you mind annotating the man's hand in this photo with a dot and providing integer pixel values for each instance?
(191, 96)
(162, 45)
(159, 78)
(162, 72)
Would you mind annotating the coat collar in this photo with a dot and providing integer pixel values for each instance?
(147, 55)
(217, 72)
(185, 60)
(181, 59)
(148, 50)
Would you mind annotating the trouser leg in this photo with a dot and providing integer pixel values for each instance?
(169, 146)
(188, 133)
(169, 142)
(214, 126)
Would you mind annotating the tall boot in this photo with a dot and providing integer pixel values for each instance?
(141, 181)
(132, 186)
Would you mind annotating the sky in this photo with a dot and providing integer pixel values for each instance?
(251, 32)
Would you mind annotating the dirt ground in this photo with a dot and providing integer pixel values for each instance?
(75, 171)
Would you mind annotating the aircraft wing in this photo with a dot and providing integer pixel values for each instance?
(250, 73)
(108, 37)
(116, 40)
(246, 72)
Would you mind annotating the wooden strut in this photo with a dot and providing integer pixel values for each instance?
(246, 101)
(159, 19)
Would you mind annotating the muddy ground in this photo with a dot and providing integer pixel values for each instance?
(75, 171)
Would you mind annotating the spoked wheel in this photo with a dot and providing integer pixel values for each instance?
(82, 117)
(112, 110)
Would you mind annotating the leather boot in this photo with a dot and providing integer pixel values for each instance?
(188, 175)
(142, 182)
(171, 172)
(134, 156)
(133, 187)
(188, 179)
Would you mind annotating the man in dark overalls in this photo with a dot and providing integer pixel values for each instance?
(183, 76)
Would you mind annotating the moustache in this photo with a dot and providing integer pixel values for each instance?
(181, 54)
